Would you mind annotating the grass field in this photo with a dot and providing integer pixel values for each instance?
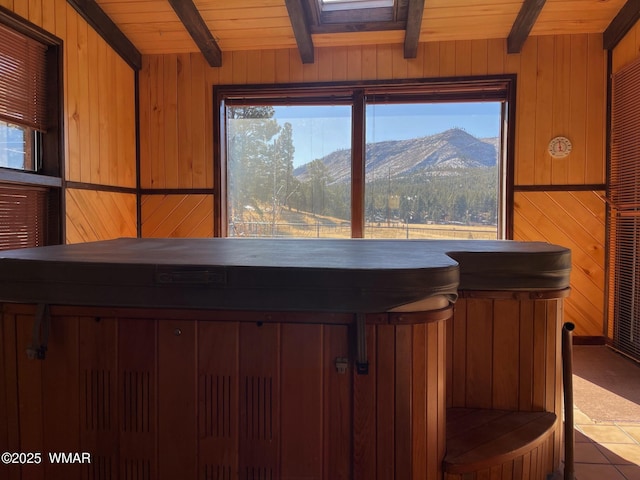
(301, 224)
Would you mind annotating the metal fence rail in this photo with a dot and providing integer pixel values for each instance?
(343, 230)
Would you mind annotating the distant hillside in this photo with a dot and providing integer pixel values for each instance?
(452, 149)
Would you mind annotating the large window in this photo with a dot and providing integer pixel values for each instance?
(416, 160)
(30, 143)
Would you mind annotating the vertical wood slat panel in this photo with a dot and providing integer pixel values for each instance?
(508, 355)
(301, 401)
(420, 394)
(506, 358)
(578, 107)
(177, 401)
(562, 106)
(403, 424)
(385, 394)
(260, 414)
(479, 347)
(218, 399)
(29, 386)
(365, 405)
(61, 406)
(541, 73)
(337, 405)
(137, 398)
(544, 108)
(9, 402)
(99, 421)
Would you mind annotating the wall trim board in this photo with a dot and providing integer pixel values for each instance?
(100, 188)
(177, 191)
(560, 188)
(589, 340)
(136, 113)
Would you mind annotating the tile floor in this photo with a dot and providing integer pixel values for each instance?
(607, 424)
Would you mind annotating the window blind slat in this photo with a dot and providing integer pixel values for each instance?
(24, 215)
(624, 224)
(22, 80)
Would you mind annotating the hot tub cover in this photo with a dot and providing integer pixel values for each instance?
(330, 275)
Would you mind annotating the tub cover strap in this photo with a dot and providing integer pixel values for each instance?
(40, 335)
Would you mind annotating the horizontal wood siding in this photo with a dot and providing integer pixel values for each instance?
(561, 90)
(577, 221)
(99, 120)
(94, 215)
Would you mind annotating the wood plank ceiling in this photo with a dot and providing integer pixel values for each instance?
(155, 27)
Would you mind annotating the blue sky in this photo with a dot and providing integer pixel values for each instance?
(320, 130)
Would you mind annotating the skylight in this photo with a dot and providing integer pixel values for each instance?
(327, 5)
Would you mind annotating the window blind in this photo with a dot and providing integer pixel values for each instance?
(24, 217)
(23, 83)
(624, 220)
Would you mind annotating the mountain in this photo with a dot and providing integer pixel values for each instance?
(434, 154)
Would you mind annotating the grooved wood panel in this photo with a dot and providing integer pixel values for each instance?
(99, 97)
(561, 91)
(181, 216)
(505, 354)
(575, 220)
(94, 215)
(149, 397)
(627, 50)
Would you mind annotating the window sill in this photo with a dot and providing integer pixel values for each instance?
(28, 178)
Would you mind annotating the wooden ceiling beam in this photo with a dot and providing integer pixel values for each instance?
(190, 17)
(414, 23)
(626, 18)
(301, 29)
(108, 30)
(524, 23)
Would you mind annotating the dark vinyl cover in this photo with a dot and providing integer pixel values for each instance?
(324, 275)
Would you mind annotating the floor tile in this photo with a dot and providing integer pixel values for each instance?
(620, 453)
(580, 418)
(597, 472)
(588, 453)
(633, 431)
(606, 434)
(581, 437)
(630, 472)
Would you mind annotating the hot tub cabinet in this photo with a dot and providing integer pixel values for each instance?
(283, 359)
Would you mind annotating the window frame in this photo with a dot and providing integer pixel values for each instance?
(500, 88)
(51, 170)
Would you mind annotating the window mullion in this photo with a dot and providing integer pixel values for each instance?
(358, 153)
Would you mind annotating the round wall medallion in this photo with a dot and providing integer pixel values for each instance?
(559, 147)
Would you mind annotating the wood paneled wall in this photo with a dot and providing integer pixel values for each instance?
(561, 90)
(95, 215)
(99, 121)
(577, 221)
(627, 50)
